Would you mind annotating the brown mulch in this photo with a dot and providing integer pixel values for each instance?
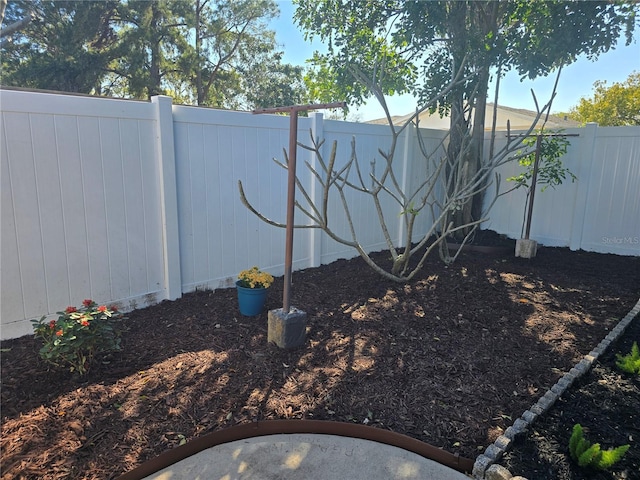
(452, 359)
(606, 403)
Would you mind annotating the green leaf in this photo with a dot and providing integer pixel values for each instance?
(630, 363)
(611, 456)
(588, 455)
(574, 441)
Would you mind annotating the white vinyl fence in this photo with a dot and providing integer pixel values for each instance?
(599, 212)
(130, 202)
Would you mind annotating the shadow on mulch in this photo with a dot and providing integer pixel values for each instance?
(450, 359)
(606, 402)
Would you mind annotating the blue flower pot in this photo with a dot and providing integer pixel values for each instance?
(251, 300)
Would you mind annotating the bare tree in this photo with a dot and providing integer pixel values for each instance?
(445, 189)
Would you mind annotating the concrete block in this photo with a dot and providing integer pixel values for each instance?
(526, 248)
(287, 330)
(537, 409)
(583, 366)
(570, 377)
(497, 472)
(576, 373)
(619, 329)
(503, 442)
(566, 381)
(547, 401)
(518, 428)
(494, 452)
(480, 466)
(612, 337)
(529, 417)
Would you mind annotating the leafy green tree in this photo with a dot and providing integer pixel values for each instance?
(153, 36)
(270, 83)
(67, 46)
(615, 105)
(206, 52)
(383, 47)
(231, 37)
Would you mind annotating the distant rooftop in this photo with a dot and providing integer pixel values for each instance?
(520, 119)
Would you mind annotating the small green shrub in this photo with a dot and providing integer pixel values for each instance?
(590, 455)
(77, 335)
(630, 363)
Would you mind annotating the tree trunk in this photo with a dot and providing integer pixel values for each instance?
(473, 209)
(155, 77)
(476, 14)
(198, 39)
(459, 123)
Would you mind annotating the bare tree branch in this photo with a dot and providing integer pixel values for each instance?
(447, 186)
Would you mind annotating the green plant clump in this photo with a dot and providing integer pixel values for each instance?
(630, 363)
(77, 335)
(588, 455)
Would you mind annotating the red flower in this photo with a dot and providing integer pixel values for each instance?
(87, 302)
(52, 324)
(84, 323)
(102, 308)
(114, 308)
(70, 310)
(59, 333)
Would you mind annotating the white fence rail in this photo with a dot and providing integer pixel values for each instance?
(132, 202)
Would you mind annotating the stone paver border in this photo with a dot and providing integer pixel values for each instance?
(486, 466)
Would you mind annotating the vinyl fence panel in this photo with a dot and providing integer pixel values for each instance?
(80, 215)
(130, 202)
(612, 206)
(600, 212)
(218, 235)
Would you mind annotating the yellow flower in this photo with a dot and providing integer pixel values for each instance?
(254, 278)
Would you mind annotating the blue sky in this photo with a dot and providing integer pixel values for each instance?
(576, 80)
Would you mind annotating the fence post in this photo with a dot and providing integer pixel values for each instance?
(166, 164)
(587, 140)
(315, 234)
(407, 167)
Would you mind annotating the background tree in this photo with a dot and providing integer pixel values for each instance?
(268, 82)
(231, 40)
(66, 47)
(384, 47)
(206, 52)
(615, 105)
(13, 27)
(153, 36)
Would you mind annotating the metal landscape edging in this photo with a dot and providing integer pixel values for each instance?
(273, 427)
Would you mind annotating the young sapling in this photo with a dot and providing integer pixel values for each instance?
(591, 455)
(630, 363)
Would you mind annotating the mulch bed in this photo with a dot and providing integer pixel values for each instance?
(452, 359)
(606, 402)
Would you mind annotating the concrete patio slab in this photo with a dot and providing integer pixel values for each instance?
(306, 456)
